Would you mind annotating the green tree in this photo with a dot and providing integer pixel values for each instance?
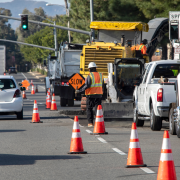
(6, 32)
(157, 8)
(107, 10)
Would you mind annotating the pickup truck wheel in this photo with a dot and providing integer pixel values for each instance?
(138, 122)
(177, 126)
(63, 102)
(155, 121)
(172, 128)
(70, 102)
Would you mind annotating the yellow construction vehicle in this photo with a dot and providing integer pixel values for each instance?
(121, 66)
(115, 40)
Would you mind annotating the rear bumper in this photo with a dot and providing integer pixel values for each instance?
(163, 111)
(14, 106)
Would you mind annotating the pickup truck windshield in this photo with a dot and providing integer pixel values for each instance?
(128, 75)
(166, 70)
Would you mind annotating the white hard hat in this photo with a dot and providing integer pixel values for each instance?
(91, 65)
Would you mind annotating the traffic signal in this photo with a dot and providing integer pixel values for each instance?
(24, 22)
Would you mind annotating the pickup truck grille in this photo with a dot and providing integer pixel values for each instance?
(101, 57)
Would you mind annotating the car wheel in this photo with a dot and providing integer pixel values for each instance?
(20, 115)
(63, 102)
(155, 121)
(138, 122)
(70, 102)
(172, 128)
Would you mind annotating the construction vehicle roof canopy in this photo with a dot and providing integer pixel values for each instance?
(119, 26)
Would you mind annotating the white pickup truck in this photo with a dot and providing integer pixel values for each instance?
(153, 96)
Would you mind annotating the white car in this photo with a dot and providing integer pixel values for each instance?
(11, 101)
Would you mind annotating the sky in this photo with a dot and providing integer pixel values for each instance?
(61, 2)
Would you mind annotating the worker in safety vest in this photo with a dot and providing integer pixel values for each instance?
(142, 47)
(93, 90)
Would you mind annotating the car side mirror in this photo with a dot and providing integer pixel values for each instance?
(22, 88)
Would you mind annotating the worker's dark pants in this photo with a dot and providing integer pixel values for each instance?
(90, 103)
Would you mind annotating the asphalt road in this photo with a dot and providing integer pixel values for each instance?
(39, 151)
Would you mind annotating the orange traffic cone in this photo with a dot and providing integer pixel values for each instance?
(31, 82)
(166, 168)
(47, 95)
(32, 91)
(36, 88)
(99, 127)
(24, 95)
(4, 73)
(27, 88)
(134, 155)
(76, 146)
(53, 103)
(35, 116)
(48, 105)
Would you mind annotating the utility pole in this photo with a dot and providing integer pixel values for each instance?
(55, 40)
(92, 17)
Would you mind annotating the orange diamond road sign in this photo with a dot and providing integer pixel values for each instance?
(25, 83)
(76, 81)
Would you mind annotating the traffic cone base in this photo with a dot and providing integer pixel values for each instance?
(99, 127)
(76, 146)
(135, 158)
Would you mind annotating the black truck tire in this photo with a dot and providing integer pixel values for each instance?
(20, 114)
(63, 102)
(172, 128)
(138, 122)
(155, 121)
(70, 102)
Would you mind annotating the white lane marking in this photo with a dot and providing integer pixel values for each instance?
(147, 170)
(119, 151)
(88, 131)
(101, 139)
(81, 125)
(40, 103)
(31, 100)
(24, 76)
(27, 99)
(42, 87)
(97, 135)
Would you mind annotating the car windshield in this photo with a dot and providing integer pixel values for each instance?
(7, 84)
(166, 70)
